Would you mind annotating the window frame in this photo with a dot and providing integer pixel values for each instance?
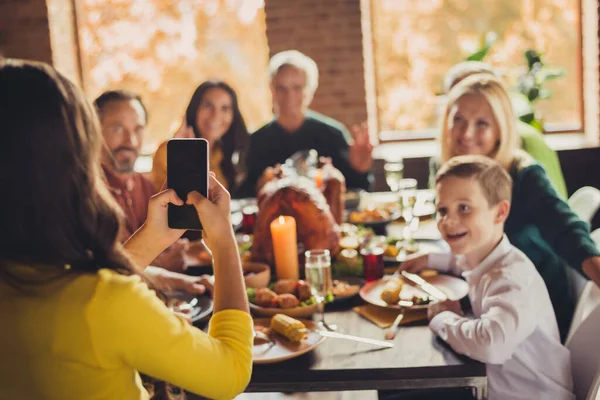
(391, 136)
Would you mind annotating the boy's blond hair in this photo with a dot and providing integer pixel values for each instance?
(494, 181)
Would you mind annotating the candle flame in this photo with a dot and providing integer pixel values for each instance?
(281, 219)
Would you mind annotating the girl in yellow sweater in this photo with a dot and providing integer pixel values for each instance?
(77, 318)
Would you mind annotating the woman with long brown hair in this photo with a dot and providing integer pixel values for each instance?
(78, 321)
(213, 114)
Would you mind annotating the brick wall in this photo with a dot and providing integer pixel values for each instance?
(24, 31)
(330, 33)
(63, 38)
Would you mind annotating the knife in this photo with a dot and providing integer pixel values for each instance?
(355, 338)
(425, 286)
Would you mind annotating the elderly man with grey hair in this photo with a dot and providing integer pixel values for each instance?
(294, 80)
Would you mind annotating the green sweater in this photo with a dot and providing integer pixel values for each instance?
(272, 144)
(532, 141)
(542, 226)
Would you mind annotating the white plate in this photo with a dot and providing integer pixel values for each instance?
(202, 308)
(424, 247)
(284, 349)
(455, 288)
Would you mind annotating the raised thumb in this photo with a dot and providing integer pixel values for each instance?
(200, 202)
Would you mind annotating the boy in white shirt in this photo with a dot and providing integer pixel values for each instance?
(514, 329)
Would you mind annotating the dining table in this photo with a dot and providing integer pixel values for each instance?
(417, 360)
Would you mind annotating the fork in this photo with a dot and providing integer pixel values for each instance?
(322, 323)
(262, 336)
(390, 334)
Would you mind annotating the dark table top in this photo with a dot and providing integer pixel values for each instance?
(417, 359)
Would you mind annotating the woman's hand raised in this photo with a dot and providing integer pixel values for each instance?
(185, 131)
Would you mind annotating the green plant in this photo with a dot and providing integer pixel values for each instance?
(530, 86)
(486, 44)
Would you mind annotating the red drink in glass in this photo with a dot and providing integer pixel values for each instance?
(372, 263)
(248, 219)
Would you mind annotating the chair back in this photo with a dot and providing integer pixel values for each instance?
(585, 202)
(585, 357)
(589, 299)
(596, 237)
(594, 393)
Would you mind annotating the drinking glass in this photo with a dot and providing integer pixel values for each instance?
(318, 276)
(372, 255)
(248, 219)
(408, 198)
(394, 171)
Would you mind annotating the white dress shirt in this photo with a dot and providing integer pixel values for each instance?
(514, 330)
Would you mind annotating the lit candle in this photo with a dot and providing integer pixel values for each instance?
(285, 247)
(319, 177)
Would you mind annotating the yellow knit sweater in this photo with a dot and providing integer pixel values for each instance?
(86, 336)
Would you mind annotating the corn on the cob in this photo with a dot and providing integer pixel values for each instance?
(289, 327)
(391, 290)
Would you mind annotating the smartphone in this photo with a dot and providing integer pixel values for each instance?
(187, 170)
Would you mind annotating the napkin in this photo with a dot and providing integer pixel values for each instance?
(384, 317)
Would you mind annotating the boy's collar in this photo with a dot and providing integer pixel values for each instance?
(496, 254)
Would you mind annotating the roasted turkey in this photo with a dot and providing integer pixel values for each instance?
(334, 189)
(300, 198)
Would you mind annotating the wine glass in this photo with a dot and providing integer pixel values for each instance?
(408, 198)
(318, 277)
(394, 171)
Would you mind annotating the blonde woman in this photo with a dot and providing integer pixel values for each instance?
(531, 140)
(479, 119)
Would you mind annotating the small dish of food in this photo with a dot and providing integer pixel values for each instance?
(343, 289)
(396, 251)
(195, 308)
(256, 275)
(375, 218)
(288, 338)
(286, 296)
(294, 298)
(390, 290)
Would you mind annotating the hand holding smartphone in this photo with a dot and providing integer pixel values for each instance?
(187, 171)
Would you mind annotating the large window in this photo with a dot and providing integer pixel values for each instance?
(415, 42)
(162, 49)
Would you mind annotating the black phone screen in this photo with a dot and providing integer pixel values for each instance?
(187, 170)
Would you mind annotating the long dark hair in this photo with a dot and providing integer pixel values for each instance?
(234, 140)
(56, 207)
